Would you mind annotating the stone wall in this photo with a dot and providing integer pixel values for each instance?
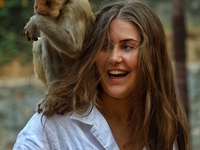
(194, 102)
(18, 99)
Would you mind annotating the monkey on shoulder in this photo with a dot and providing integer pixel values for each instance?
(63, 25)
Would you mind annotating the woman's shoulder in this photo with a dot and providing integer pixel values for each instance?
(39, 131)
(39, 123)
(79, 130)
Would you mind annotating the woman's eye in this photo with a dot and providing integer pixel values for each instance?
(128, 47)
(105, 46)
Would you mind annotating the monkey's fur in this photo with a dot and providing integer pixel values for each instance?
(61, 37)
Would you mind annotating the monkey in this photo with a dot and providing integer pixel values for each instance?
(63, 25)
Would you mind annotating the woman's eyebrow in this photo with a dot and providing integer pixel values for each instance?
(128, 40)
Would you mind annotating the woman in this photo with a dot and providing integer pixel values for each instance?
(120, 95)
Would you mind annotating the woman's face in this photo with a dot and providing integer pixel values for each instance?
(117, 66)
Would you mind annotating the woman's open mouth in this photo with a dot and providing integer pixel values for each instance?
(117, 73)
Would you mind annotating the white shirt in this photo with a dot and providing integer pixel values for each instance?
(66, 132)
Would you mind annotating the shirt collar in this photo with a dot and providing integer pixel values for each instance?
(99, 127)
(87, 117)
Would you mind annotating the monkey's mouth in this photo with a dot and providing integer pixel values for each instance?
(117, 73)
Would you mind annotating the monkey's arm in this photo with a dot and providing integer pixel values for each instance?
(67, 39)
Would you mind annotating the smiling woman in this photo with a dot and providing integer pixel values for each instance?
(118, 65)
(120, 95)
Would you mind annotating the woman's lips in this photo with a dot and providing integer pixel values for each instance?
(117, 73)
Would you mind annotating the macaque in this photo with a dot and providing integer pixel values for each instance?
(63, 25)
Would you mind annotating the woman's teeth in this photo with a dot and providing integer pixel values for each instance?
(117, 73)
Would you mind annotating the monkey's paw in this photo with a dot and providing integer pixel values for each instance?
(30, 30)
(41, 106)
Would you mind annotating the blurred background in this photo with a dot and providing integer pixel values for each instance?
(20, 91)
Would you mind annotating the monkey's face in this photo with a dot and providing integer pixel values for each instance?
(49, 8)
(40, 7)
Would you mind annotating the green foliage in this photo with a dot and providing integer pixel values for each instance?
(14, 15)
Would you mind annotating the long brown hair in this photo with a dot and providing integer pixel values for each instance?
(157, 116)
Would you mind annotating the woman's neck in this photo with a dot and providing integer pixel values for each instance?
(114, 109)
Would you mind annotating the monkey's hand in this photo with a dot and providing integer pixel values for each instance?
(41, 106)
(30, 29)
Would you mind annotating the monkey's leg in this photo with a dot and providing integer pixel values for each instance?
(38, 60)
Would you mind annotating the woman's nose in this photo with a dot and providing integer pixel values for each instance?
(116, 56)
